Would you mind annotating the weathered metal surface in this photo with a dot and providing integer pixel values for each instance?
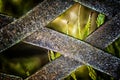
(57, 67)
(9, 77)
(108, 7)
(35, 19)
(77, 49)
(56, 70)
(106, 34)
(4, 20)
(68, 59)
(61, 67)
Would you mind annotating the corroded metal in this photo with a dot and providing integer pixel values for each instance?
(108, 7)
(9, 77)
(77, 49)
(35, 19)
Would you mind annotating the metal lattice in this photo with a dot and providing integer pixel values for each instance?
(30, 29)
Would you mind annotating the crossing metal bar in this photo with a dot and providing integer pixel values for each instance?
(60, 67)
(56, 70)
(108, 7)
(79, 50)
(91, 43)
(35, 19)
(57, 63)
(4, 20)
(106, 34)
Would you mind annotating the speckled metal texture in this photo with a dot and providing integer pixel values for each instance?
(4, 20)
(56, 70)
(77, 50)
(35, 19)
(106, 34)
(59, 67)
(9, 77)
(108, 7)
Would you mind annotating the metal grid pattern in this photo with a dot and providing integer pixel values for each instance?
(30, 29)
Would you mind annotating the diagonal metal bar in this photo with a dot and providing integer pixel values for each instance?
(9, 77)
(4, 20)
(108, 7)
(79, 50)
(61, 67)
(58, 64)
(106, 34)
(56, 70)
(40, 16)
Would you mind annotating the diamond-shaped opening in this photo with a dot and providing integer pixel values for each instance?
(66, 23)
(23, 59)
(79, 22)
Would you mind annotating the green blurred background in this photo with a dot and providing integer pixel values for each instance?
(17, 8)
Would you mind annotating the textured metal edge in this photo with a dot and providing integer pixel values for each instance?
(4, 76)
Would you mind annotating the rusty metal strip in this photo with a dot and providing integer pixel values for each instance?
(108, 7)
(35, 19)
(9, 77)
(79, 50)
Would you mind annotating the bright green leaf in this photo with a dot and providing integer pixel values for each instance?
(100, 19)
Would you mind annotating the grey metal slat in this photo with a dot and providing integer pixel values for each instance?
(56, 70)
(106, 34)
(108, 7)
(35, 19)
(59, 67)
(77, 49)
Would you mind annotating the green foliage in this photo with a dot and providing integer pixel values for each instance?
(53, 55)
(92, 73)
(100, 20)
(0, 5)
(86, 30)
(73, 75)
(20, 66)
(114, 48)
(17, 8)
